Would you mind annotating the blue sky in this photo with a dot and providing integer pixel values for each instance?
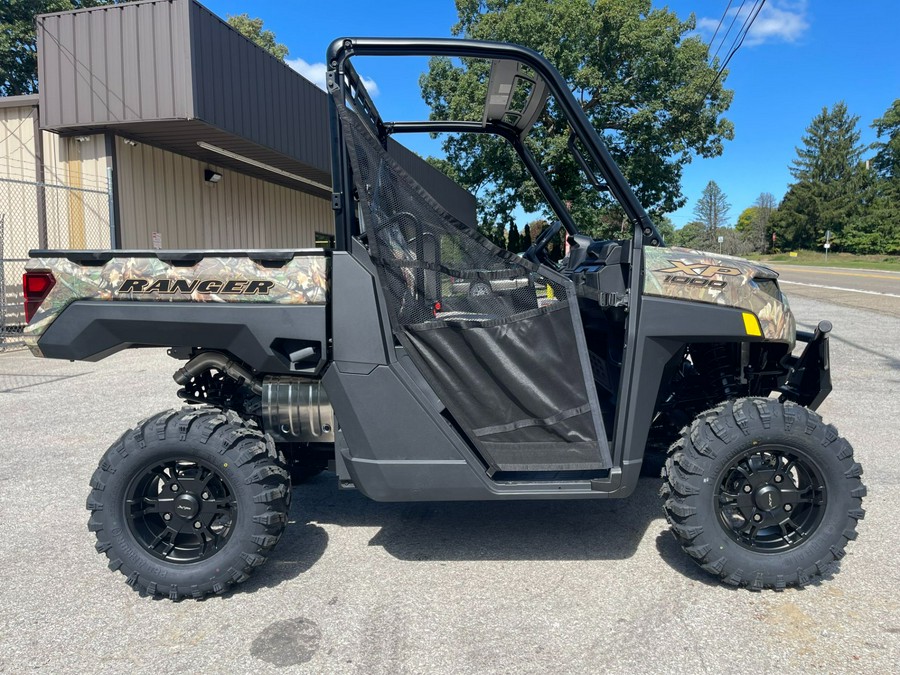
(800, 56)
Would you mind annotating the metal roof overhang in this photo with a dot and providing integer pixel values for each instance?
(170, 74)
(19, 101)
(206, 143)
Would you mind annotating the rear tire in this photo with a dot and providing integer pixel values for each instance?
(763, 494)
(189, 502)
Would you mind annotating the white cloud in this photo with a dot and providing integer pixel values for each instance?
(777, 22)
(315, 73)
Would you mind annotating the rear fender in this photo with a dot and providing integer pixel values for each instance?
(261, 336)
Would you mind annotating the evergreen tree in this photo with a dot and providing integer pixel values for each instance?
(500, 235)
(515, 240)
(831, 149)
(712, 211)
(829, 181)
(886, 161)
(526, 237)
(883, 212)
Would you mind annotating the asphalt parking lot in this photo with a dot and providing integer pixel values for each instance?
(360, 587)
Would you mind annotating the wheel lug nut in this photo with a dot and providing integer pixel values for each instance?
(778, 479)
(205, 495)
(167, 516)
(748, 488)
(175, 487)
(757, 518)
(788, 507)
(197, 525)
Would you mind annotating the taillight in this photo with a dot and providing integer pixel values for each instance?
(36, 285)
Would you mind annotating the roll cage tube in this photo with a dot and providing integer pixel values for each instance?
(510, 134)
(341, 74)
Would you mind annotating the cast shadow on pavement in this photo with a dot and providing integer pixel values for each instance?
(301, 546)
(672, 554)
(472, 531)
(590, 529)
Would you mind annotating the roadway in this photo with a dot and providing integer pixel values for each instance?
(875, 290)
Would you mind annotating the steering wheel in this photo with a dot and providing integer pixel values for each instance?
(536, 253)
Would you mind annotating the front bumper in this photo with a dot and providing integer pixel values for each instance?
(808, 378)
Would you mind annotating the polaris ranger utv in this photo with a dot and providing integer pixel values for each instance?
(378, 360)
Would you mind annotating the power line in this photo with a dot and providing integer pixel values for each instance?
(736, 44)
(748, 22)
(727, 32)
(721, 19)
(18, 126)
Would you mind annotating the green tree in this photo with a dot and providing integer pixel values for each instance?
(535, 227)
(253, 30)
(526, 237)
(514, 242)
(712, 211)
(499, 237)
(754, 223)
(18, 40)
(883, 212)
(886, 161)
(641, 75)
(794, 223)
(692, 235)
(745, 219)
(829, 181)
(666, 228)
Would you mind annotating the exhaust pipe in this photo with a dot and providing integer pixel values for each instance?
(208, 360)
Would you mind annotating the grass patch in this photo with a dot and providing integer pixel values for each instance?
(817, 258)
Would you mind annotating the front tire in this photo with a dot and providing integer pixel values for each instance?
(763, 494)
(189, 502)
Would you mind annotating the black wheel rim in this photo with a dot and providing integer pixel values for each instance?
(181, 510)
(771, 499)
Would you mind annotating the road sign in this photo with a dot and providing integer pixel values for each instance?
(721, 239)
(827, 245)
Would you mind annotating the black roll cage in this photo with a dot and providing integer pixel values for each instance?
(343, 81)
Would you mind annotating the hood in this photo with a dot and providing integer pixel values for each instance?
(699, 276)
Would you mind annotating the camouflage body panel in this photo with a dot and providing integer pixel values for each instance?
(302, 280)
(684, 274)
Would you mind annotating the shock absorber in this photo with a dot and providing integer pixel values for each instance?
(719, 367)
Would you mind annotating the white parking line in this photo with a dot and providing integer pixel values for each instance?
(838, 288)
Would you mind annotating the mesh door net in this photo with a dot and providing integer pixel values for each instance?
(495, 335)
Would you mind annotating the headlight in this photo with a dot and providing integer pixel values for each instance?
(770, 288)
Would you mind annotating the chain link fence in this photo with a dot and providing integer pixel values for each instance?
(41, 215)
